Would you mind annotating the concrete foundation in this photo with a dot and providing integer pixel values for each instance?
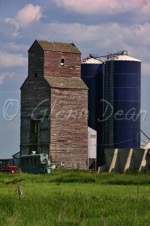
(120, 160)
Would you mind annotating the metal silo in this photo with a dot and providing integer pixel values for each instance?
(92, 75)
(122, 93)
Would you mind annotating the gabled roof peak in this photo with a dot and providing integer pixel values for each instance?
(58, 46)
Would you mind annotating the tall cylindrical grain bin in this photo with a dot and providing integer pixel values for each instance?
(92, 75)
(91, 71)
(122, 93)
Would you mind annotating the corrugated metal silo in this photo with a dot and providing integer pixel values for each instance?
(122, 88)
(92, 75)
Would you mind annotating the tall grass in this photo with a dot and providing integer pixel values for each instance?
(76, 198)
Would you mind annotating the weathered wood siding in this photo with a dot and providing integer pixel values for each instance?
(53, 67)
(48, 63)
(69, 127)
(36, 61)
(35, 105)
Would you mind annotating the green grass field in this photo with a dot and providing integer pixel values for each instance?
(76, 198)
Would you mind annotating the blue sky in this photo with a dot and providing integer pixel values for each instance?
(96, 27)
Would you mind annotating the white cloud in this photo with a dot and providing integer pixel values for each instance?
(96, 38)
(12, 60)
(103, 38)
(103, 7)
(146, 7)
(145, 69)
(4, 75)
(107, 35)
(12, 47)
(25, 16)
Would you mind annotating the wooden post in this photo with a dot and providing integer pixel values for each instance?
(20, 191)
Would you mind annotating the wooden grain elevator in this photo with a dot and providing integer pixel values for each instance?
(54, 105)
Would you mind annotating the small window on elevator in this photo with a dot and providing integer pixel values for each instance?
(62, 62)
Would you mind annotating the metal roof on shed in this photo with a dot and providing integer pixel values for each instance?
(66, 83)
(58, 46)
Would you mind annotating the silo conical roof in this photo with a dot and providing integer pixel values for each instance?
(91, 61)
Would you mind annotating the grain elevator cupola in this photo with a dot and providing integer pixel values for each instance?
(54, 103)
